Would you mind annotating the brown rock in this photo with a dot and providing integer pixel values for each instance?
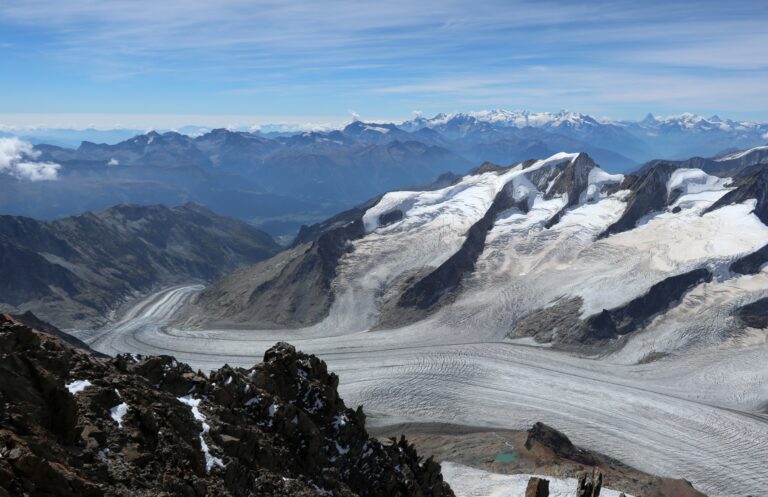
(537, 487)
(279, 429)
(590, 485)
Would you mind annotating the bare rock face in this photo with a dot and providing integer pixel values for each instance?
(537, 487)
(648, 194)
(754, 314)
(590, 485)
(751, 263)
(561, 324)
(73, 424)
(558, 443)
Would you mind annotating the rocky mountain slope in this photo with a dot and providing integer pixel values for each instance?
(72, 424)
(514, 249)
(76, 270)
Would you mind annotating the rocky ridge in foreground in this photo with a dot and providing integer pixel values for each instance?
(73, 424)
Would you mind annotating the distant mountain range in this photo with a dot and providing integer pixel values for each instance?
(672, 137)
(280, 181)
(276, 183)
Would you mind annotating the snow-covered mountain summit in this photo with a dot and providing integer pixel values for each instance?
(517, 119)
(694, 122)
(612, 259)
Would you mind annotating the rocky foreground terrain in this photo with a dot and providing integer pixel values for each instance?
(74, 424)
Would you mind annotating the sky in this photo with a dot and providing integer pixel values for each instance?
(170, 63)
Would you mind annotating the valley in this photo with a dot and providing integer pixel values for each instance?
(624, 310)
(607, 306)
(706, 425)
(383, 249)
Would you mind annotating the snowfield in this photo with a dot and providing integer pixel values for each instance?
(471, 482)
(697, 413)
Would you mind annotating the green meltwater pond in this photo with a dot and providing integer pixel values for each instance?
(506, 457)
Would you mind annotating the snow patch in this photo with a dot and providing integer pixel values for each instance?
(194, 404)
(698, 188)
(77, 386)
(598, 179)
(690, 181)
(118, 413)
(339, 421)
(471, 482)
(341, 450)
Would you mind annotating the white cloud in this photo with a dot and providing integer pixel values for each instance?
(17, 159)
(113, 162)
(37, 171)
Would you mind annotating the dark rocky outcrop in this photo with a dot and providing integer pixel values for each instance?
(751, 263)
(648, 195)
(308, 234)
(537, 487)
(753, 185)
(558, 443)
(590, 485)
(32, 321)
(572, 182)
(150, 426)
(754, 314)
(560, 323)
(390, 217)
(639, 312)
(75, 270)
(551, 323)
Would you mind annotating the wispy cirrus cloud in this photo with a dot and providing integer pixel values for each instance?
(312, 57)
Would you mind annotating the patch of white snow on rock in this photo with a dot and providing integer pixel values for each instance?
(77, 386)
(118, 413)
(210, 460)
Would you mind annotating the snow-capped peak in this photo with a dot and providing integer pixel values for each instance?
(691, 121)
(510, 118)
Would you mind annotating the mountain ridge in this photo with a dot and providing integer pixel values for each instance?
(75, 270)
(498, 214)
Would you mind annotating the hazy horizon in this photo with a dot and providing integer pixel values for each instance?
(146, 123)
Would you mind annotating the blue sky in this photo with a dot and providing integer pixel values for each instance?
(174, 62)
